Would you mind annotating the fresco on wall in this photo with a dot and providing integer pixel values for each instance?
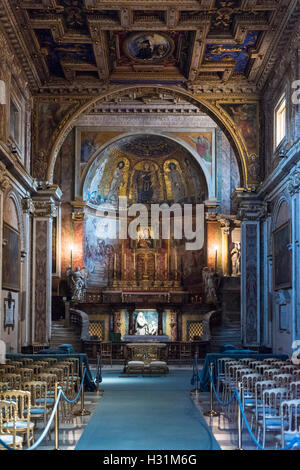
(203, 143)
(245, 117)
(99, 249)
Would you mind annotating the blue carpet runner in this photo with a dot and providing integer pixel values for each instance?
(147, 413)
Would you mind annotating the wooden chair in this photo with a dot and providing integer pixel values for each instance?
(25, 373)
(185, 351)
(8, 413)
(106, 351)
(14, 381)
(38, 392)
(24, 425)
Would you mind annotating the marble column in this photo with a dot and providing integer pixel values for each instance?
(160, 311)
(251, 211)
(44, 201)
(4, 184)
(130, 310)
(225, 230)
(294, 192)
(179, 324)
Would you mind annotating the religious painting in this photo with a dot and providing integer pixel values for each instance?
(282, 267)
(203, 143)
(245, 117)
(150, 46)
(49, 117)
(89, 141)
(99, 237)
(11, 259)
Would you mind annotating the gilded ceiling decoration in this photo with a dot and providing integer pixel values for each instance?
(92, 42)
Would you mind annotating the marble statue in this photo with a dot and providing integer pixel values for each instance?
(78, 282)
(210, 281)
(236, 259)
(141, 325)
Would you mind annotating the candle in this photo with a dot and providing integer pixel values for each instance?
(216, 259)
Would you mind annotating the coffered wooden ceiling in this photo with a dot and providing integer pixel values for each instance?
(91, 42)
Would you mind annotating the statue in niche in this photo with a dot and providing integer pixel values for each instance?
(116, 183)
(211, 282)
(78, 283)
(236, 259)
(141, 325)
(176, 183)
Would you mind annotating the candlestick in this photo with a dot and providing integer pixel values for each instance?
(216, 260)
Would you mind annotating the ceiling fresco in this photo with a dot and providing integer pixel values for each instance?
(71, 41)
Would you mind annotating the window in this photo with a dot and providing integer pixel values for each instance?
(15, 122)
(280, 121)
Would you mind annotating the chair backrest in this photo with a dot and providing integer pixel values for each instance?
(295, 390)
(26, 373)
(37, 389)
(22, 398)
(290, 412)
(272, 399)
(247, 360)
(249, 380)
(240, 372)
(14, 381)
(260, 368)
(288, 369)
(270, 360)
(221, 364)
(269, 373)
(283, 380)
(8, 413)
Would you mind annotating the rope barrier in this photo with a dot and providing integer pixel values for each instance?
(46, 430)
(295, 440)
(77, 396)
(217, 396)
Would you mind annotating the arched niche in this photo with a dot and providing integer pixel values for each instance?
(94, 161)
(205, 106)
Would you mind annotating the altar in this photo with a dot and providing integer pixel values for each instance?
(145, 338)
(146, 357)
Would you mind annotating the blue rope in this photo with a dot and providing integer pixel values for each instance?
(76, 398)
(42, 436)
(236, 394)
(217, 396)
(288, 447)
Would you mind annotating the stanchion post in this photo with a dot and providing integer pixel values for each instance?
(56, 419)
(195, 390)
(82, 411)
(240, 422)
(211, 412)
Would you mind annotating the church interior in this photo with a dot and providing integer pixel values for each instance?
(150, 224)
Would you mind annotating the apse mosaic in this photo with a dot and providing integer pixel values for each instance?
(147, 169)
